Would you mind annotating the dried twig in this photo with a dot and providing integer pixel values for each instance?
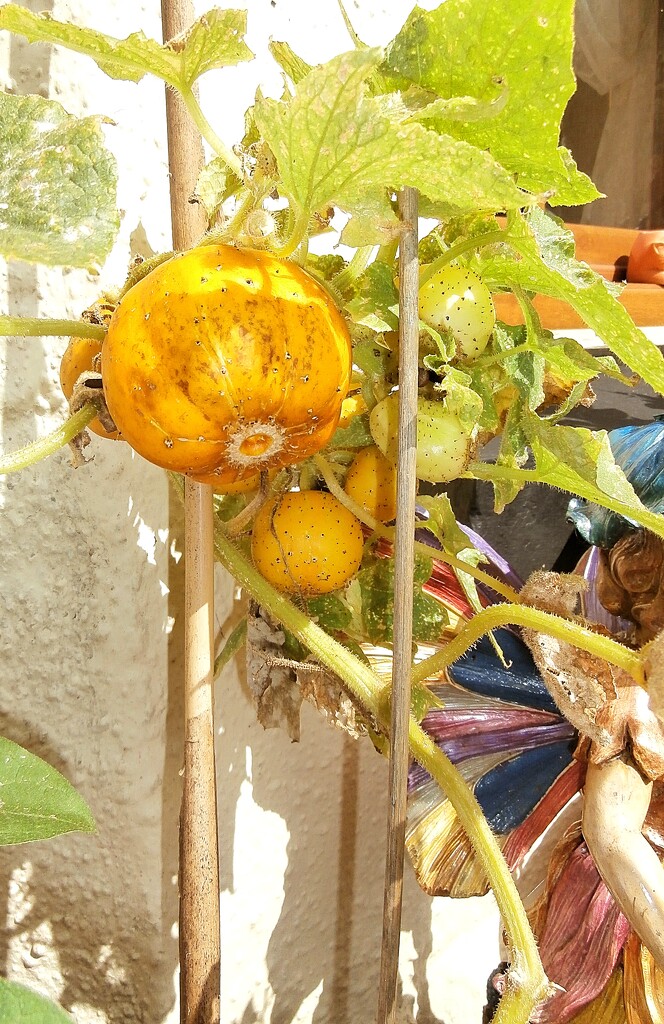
(199, 868)
(403, 605)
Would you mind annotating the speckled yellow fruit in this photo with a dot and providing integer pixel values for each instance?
(222, 362)
(371, 481)
(306, 542)
(456, 299)
(78, 358)
(351, 407)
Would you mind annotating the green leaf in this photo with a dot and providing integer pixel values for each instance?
(21, 1004)
(442, 522)
(545, 264)
(58, 185)
(288, 61)
(373, 591)
(579, 461)
(462, 50)
(329, 611)
(570, 360)
(350, 153)
(36, 801)
(513, 453)
(377, 363)
(420, 106)
(526, 371)
(460, 398)
(376, 302)
(212, 187)
(356, 435)
(215, 40)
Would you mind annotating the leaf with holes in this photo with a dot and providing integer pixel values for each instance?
(58, 185)
(215, 40)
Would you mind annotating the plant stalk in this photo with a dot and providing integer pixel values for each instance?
(603, 647)
(34, 452)
(404, 569)
(44, 327)
(199, 860)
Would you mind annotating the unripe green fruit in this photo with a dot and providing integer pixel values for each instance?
(443, 446)
(457, 300)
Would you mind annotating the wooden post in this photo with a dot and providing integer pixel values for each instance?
(403, 605)
(199, 863)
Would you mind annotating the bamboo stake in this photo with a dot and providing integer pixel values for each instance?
(404, 559)
(199, 862)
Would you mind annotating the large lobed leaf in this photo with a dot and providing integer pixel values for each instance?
(576, 460)
(545, 263)
(58, 184)
(335, 143)
(515, 59)
(36, 801)
(20, 1005)
(215, 40)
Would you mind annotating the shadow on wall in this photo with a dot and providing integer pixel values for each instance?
(322, 954)
(88, 917)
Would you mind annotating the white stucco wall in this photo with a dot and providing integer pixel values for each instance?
(90, 592)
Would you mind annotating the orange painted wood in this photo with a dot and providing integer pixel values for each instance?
(602, 245)
(644, 303)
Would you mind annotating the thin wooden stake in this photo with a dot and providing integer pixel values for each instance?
(404, 560)
(199, 861)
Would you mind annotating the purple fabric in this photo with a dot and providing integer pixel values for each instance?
(488, 732)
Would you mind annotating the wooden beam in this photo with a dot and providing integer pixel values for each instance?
(643, 302)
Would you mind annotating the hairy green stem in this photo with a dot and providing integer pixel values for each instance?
(387, 532)
(532, 618)
(653, 521)
(298, 233)
(45, 446)
(37, 327)
(519, 1000)
(499, 357)
(467, 245)
(209, 134)
(358, 264)
(528, 981)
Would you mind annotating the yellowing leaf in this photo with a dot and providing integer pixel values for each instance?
(468, 48)
(544, 262)
(213, 41)
(351, 153)
(57, 184)
(576, 460)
